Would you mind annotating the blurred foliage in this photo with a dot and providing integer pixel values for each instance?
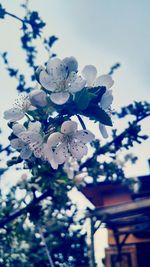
(22, 243)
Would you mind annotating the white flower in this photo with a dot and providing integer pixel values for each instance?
(20, 107)
(105, 104)
(33, 138)
(18, 144)
(61, 79)
(28, 140)
(70, 167)
(70, 142)
(89, 73)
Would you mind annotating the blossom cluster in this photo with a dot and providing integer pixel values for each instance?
(48, 131)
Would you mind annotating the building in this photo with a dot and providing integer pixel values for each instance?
(127, 217)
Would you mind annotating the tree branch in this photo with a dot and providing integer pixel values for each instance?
(18, 213)
(106, 147)
(16, 17)
(47, 193)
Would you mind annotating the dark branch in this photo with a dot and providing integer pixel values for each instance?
(18, 213)
(106, 148)
(16, 17)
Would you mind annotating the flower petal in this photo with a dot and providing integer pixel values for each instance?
(25, 136)
(38, 98)
(61, 153)
(89, 72)
(48, 154)
(25, 152)
(78, 149)
(52, 65)
(35, 138)
(103, 130)
(77, 85)
(13, 114)
(32, 108)
(70, 173)
(17, 143)
(70, 167)
(69, 127)
(59, 98)
(104, 80)
(53, 164)
(71, 63)
(71, 78)
(46, 81)
(34, 126)
(84, 135)
(30, 137)
(56, 69)
(18, 128)
(54, 139)
(106, 100)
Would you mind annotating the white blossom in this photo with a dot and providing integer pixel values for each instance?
(33, 137)
(61, 79)
(29, 140)
(68, 142)
(70, 167)
(20, 107)
(18, 144)
(89, 73)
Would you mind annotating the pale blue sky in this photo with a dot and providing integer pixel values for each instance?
(99, 32)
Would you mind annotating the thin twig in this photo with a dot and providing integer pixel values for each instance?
(106, 147)
(16, 17)
(46, 247)
(81, 122)
(113, 68)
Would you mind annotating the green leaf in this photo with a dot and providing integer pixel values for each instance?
(96, 113)
(83, 98)
(98, 91)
